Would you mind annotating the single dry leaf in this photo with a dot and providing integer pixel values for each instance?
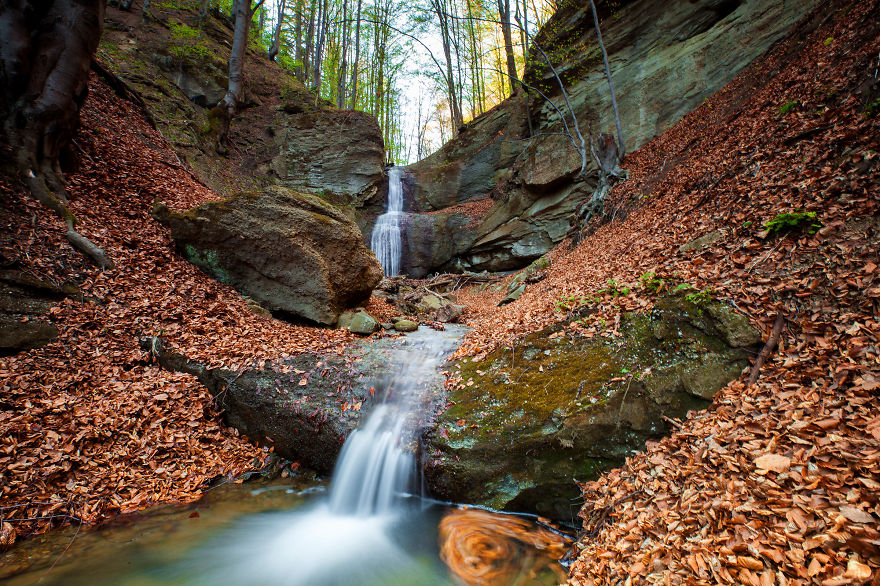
(856, 570)
(773, 462)
(856, 515)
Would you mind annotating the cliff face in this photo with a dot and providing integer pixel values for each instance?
(666, 59)
(283, 133)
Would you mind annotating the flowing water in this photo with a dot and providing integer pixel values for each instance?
(386, 239)
(374, 527)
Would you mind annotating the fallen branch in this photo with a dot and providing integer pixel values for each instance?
(767, 349)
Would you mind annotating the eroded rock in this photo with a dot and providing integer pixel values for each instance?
(526, 421)
(294, 254)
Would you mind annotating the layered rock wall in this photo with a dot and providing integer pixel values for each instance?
(665, 57)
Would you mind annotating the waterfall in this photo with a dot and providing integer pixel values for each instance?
(377, 466)
(385, 240)
(361, 532)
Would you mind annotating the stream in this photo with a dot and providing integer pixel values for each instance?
(373, 525)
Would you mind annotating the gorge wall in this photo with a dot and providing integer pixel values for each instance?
(666, 59)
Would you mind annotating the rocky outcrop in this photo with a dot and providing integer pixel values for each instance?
(24, 301)
(306, 406)
(293, 254)
(336, 153)
(666, 59)
(525, 422)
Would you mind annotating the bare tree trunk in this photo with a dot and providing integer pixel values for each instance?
(310, 39)
(621, 147)
(504, 14)
(276, 37)
(45, 53)
(343, 66)
(357, 59)
(319, 46)
(457, 119)
(228, 107)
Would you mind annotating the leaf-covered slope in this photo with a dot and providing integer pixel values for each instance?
(777, 482)
(88, 427)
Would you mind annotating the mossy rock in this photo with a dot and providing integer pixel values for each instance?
(528, 419)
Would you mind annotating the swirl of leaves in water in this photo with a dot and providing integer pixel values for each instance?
(489, 549)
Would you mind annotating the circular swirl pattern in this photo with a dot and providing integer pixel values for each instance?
(482, 548)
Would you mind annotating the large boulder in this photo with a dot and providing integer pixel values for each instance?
(526, 422)
(294, 254)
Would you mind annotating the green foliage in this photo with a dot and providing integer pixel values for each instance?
(828, 41)
(788, 107)
(187, 42)
(651, 282)
(569, 302)
(703, 297)
(873, 108)
(614, 289)
(790, 221)
(682, 287)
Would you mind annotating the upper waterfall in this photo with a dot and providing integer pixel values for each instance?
(386, 240)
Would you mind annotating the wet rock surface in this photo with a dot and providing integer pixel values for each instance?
(305, 406)
(293, 254)
(526, 422)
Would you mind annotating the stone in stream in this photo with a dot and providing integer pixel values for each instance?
(294, 254)
(405, 325)
(359, 322)
(525, 422)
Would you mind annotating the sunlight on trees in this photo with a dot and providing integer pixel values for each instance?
(424, 68)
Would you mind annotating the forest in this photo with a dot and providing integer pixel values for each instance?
(446, 292)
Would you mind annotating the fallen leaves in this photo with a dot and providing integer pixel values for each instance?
(773, 462)
(777, 482)
(88, 427)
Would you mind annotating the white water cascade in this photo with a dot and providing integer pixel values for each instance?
(364, 532)
(386, 240)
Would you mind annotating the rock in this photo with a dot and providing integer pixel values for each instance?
(256, 308)
(431, 302)
(702, 242)
(449, 313)
(337, 153)
(17, 335)
(513, 295)
(363, 324)
(388, 325)
(406, 325)
(564, 406)
(293, 254)
(668, 58)
(397, 318)
(24, 300)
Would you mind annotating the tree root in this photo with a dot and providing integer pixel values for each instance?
(57, 202)
(767, 349)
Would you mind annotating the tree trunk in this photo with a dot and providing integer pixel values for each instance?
(319, 46)
(357, 59)
(228, 106)
(457, 119)
(621, 147)
(46, 50)
(310, 40)
(276, 38)
(343, 66)
(504, 14)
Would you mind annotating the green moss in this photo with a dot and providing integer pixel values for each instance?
(208, 261)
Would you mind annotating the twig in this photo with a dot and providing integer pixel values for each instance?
(763, 258)
(675, 423)
(58, 559)
(767, 349)
(622, 401)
